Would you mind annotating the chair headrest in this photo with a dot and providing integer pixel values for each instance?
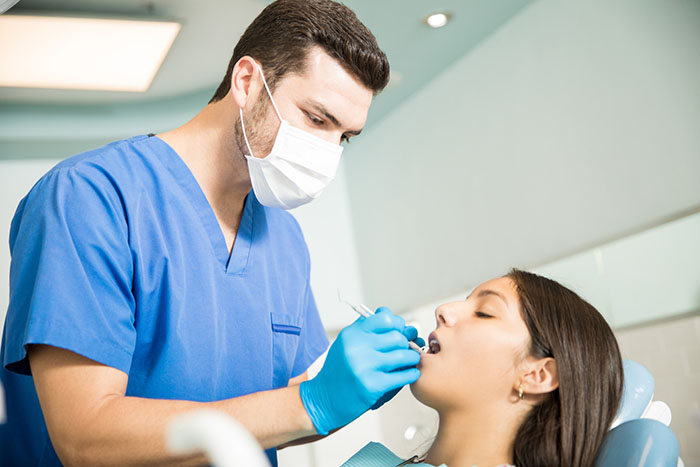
(637, 392)
(641, 442)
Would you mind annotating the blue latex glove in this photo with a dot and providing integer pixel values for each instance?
(369, 359)
(411, 334)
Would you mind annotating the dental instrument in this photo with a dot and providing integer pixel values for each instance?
(365, 311)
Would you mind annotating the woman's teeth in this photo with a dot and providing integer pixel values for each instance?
(434, 347)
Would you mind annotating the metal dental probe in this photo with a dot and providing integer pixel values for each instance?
(365, 311)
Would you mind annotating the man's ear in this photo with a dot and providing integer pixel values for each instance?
(243, 87)
(540, 377)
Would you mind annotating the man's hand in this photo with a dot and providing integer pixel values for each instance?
(369, 359)
(411, 334)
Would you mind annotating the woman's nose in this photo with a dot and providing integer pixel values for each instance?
(444, 316)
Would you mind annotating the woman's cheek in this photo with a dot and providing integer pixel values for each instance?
(430, 388)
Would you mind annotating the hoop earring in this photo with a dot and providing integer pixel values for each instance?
(521, 395)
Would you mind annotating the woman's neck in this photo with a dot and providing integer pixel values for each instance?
(474, 437)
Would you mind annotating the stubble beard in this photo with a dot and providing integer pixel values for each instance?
(260, 143)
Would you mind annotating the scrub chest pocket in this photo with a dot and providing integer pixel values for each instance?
(285, 340)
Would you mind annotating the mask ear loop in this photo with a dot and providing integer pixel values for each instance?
(268, 92)
(240, 111)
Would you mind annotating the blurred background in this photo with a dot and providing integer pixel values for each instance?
(559, 137)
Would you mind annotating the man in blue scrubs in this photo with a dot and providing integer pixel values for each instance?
(159, 274)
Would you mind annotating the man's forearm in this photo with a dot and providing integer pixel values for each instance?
(130, 430)
(274, 417)
(92, 422)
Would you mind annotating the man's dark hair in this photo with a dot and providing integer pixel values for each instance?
(284, 32)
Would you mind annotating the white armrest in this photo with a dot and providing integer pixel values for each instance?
(658, 410)
(2, 405)
(225, 441)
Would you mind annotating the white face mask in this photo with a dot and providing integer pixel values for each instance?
(297, 169)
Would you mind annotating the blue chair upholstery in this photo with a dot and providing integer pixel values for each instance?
(634, 441)
(637, 392)
(639, 443)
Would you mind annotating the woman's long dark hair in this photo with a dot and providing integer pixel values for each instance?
(567, 427)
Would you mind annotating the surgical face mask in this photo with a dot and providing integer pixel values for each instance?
(298, 168)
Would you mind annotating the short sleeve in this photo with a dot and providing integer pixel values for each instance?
(71, 270)
(312, 339)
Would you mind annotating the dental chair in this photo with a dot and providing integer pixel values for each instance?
(224, 440)
(3, 411)
(639, 435)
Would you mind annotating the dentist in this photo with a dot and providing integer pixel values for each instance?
(161, 273)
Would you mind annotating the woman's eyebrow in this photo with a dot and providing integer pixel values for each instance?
(486, 292)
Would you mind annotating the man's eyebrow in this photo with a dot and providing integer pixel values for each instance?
(318, 107)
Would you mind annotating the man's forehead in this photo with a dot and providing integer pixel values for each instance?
(324, 70)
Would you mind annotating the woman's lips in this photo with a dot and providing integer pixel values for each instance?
(433, 344)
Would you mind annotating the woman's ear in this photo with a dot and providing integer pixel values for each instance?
(541, 377)
(242, 82)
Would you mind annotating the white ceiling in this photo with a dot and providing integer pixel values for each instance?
(200, 54)
(196, 61)
(36, 123)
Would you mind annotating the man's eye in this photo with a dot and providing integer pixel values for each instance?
(481, 314)
(314, 120)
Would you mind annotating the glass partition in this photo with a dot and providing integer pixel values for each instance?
(643, 277)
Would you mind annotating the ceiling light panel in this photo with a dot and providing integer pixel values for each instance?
(82, 53)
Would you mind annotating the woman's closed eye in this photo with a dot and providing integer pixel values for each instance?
(481, 314)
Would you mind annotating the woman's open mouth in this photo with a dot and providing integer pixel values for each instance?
(433, 344)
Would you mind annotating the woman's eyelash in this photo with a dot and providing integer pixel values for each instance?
(481, 314)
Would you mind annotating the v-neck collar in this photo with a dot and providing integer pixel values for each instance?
(234, 263)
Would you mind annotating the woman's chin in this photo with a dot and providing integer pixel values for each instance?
(420, 392)
(415, 389)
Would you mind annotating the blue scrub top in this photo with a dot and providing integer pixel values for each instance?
(118, 256)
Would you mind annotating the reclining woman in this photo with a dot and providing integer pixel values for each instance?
(523, 372)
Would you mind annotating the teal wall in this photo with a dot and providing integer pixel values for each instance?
(58, 131)
(574, 124)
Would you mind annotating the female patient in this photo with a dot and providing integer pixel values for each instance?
(522, 372)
